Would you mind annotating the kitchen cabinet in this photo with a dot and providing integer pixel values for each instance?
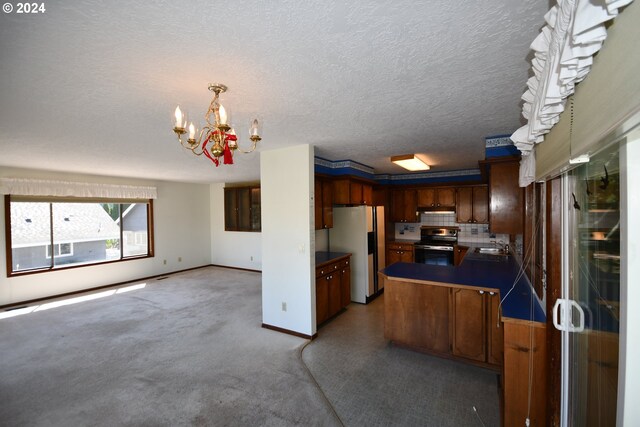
(404, 205)
(525, 350)
(472, 205)
(437, 197)
(458, 253)
(476, 331)
(352, 192)
(323, 189)
(345, 284)
(468, 324)
(242, 209)
(506, 198)
(451, 321)
(335, 293)
(322, 299)
(333, 288)
(417, 315)
(495, 337)
(399, 252)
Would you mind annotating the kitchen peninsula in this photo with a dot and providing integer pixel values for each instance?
(455, 312)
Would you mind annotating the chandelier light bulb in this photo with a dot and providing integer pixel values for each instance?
(192, 131)
(223, 115)
(179, 118)
(233, 143)
(254, 127)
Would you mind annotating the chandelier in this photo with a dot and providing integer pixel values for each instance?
(216, 138)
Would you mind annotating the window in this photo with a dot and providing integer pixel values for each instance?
(61, 249)
(47, 234)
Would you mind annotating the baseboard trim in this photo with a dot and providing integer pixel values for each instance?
(236, 268)
(374, 296)
(290, 332)
(97, 288)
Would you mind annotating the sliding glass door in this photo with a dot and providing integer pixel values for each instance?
(590, 309)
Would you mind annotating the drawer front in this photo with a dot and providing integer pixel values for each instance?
(330, 268)
(400, 247)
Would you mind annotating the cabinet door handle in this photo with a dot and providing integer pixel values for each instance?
(438, 204)
(492, 293)
(481, 292)
(469, 221)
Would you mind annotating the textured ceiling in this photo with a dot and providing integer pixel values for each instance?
(91, 86)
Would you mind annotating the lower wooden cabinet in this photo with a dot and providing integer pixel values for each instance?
(417, 315)
(322, 299)
(345, 284)
(495, 330)
(459, 253)
(476, 330)
(399, 252)
(333, 288)
(468, 324)
(447, 320)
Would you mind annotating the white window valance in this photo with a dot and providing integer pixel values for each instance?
(41, 187)
(563, 55)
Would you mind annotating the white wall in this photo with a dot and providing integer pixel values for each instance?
(181, 229)
(629, 373)
(288, 239)
(232, 248)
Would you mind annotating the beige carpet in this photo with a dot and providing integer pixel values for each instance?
(187, 350)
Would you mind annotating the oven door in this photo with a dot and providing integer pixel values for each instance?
(434, 255)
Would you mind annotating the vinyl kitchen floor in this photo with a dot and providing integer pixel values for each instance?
(371, 382)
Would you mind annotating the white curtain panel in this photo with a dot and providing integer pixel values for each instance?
(563, 54)
(41, 187)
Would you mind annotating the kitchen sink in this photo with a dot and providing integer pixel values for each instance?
(492, 251)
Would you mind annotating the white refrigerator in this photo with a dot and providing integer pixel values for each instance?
(360, 231)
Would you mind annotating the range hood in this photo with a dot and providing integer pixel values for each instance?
(436, 209)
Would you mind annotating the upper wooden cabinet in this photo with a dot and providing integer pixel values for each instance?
(404, 206)
(506, 198)
(437, 197)
(242, 209)
(472, 205)
(348, 191)
(323, 190)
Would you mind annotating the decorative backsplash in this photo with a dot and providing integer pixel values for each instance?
(469, 233)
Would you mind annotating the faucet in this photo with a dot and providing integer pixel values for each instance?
(504, 246)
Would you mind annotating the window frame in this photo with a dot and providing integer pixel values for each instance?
(9, 249)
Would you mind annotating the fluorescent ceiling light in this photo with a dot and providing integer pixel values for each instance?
(410, 162)
(580, 159)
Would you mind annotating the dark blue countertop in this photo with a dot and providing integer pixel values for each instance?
(325, 257)
(483, 271)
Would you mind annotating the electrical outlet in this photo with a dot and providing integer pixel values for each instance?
(179, 259)
(284, 306)
(164, 262)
